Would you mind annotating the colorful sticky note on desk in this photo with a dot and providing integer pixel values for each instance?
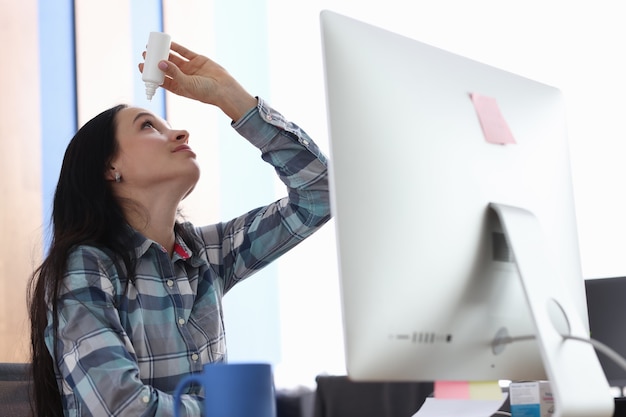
(485, 390)
(458, 390)
(468, 390)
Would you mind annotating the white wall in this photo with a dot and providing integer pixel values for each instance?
(573, 45)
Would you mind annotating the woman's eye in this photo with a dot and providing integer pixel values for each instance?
(146, 124)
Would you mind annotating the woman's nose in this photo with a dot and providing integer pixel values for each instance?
(180, 135)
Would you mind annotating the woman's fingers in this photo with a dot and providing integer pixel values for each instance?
(182, 51)
(177, 60)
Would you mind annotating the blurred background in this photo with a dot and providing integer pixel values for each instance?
(64, 61)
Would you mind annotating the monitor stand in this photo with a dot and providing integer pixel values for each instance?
(578, 384)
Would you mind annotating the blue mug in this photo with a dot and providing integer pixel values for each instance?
(233, 390)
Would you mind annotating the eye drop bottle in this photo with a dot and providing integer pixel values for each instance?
(158, 49)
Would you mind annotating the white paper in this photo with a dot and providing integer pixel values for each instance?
(435, 407)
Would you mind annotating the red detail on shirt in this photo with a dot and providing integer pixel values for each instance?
(181, 251)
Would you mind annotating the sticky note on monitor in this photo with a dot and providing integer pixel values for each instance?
(494, 126)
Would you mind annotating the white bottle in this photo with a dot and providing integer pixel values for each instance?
(158, 49)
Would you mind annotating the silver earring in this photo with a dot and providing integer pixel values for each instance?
(118, 177)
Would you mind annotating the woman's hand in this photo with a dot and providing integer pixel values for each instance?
(195, 76)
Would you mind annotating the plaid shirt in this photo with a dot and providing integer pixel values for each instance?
(124, 345)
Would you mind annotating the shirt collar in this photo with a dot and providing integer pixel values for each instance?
(181, 250)
(142, 244)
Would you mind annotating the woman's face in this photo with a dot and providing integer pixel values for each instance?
(151, 153)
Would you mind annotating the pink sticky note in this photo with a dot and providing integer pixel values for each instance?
(458, 390)
(494, 126)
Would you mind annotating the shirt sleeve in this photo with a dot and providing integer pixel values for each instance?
(96, 366)
(249, 242)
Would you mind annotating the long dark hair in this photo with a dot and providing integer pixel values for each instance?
(85, 211)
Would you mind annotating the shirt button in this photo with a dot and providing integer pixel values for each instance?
(170, 283)
(268, 117)
(194, 357)
(145, 399)
(181, 321)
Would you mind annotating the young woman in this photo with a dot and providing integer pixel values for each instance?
(128, 299)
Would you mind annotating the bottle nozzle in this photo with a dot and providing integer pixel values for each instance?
(151, 89)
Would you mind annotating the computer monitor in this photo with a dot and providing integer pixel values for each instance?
(447, 242)
(607, 314)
